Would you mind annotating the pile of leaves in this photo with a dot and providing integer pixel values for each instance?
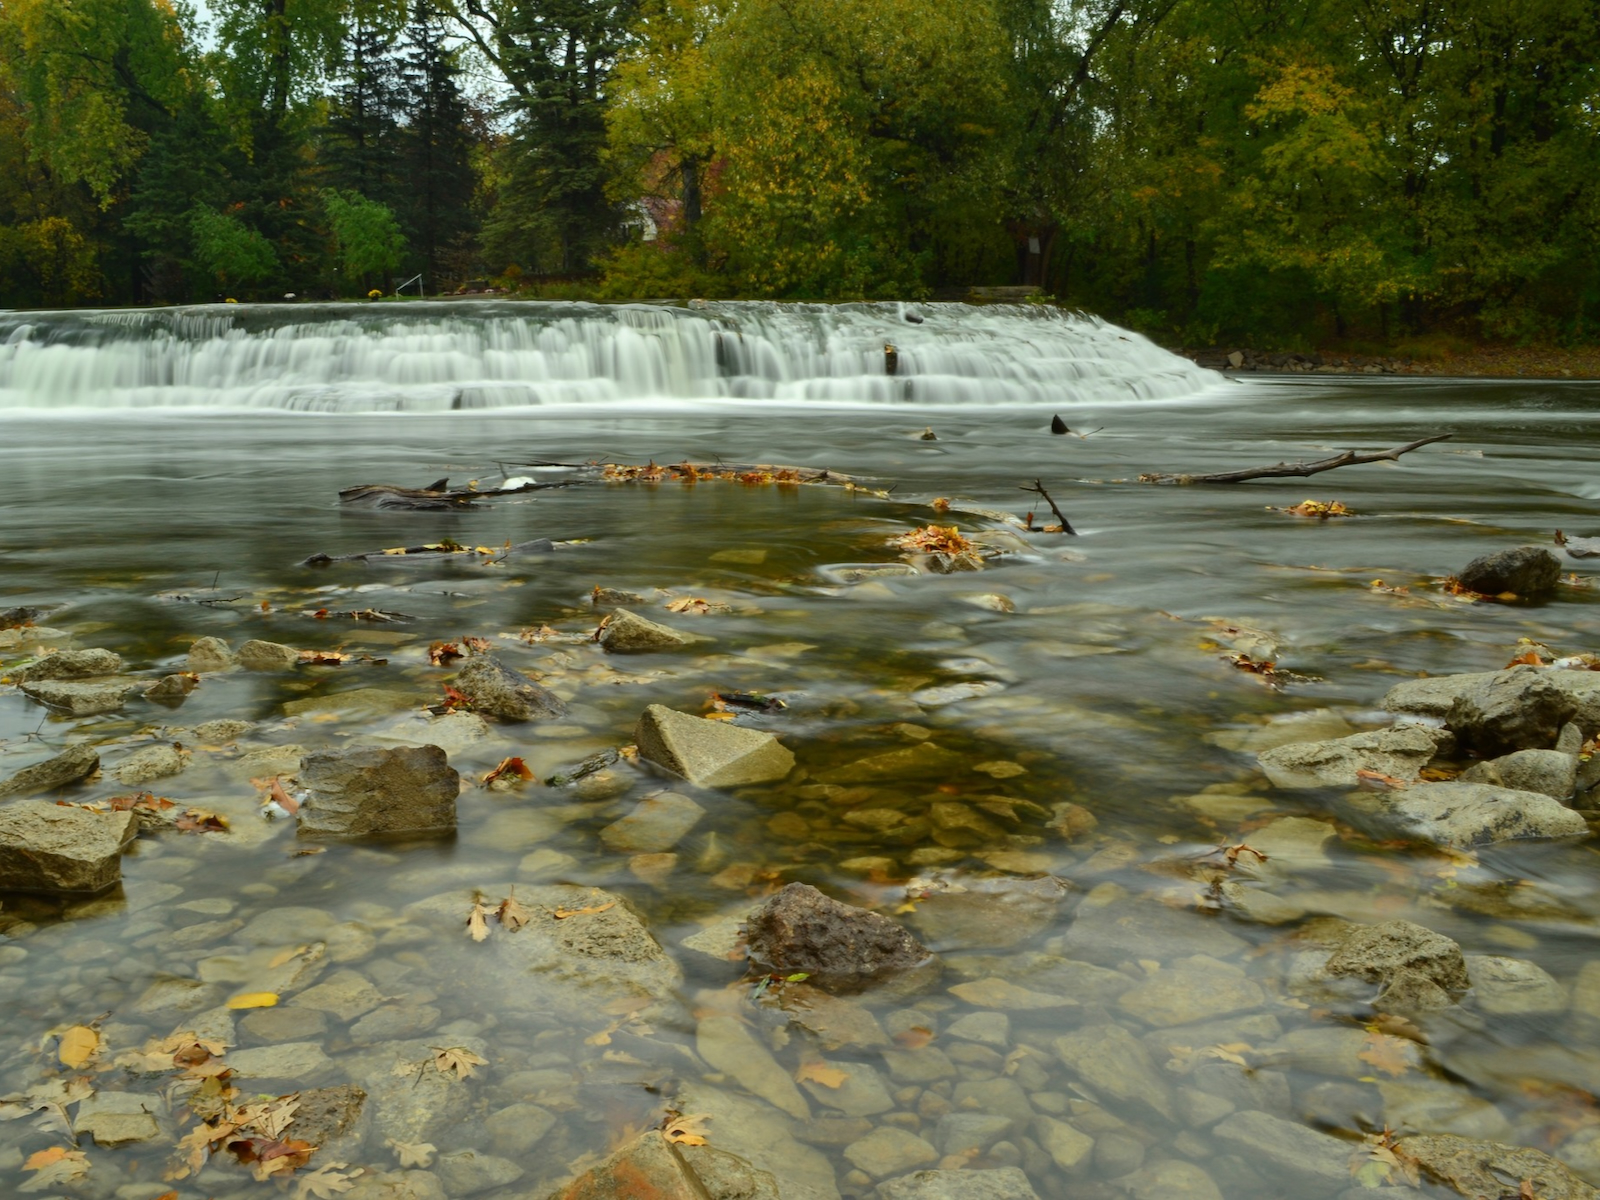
(155, 812)
(933, 539)
(1321, 510)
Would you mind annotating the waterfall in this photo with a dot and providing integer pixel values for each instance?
(442, 355)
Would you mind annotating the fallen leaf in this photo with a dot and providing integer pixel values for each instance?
(478, 645)
(561, 914)
(512, 914)
(914, 1038)
(442, 654)
(198, 820)
(478, 920)
(1321, 509)
(687, 1130)
(513, 768)
(457, 1059)
(413, 1154)
(933, 539)
(821, 1072)
(55, 1166)
(1376, 781)
(78, 1045)
(323, 658)
(1233, 853)
(327, 1181)
(254, 1000)
(1386, 1053)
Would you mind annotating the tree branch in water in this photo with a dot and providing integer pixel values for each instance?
(1349, 458)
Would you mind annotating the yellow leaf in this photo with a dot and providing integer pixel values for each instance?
(1386, 1053)
(78, 1045)
(821, 1072)
(561, 914)
(254, 1000)
(689, 1130)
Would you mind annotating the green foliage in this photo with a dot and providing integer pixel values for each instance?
(366, 233)
(230, 251)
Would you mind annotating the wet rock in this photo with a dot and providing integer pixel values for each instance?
(79, 699)
(357, 701)
(396, 1185)
(862, 1094)
(999, 1183)
(328, 1115)
(1002, 994)
(118, 1118)
(657, 823)
(1549, 772)
(1195, 989)
(518, 1128)
(344, 994)
(834, 1021)
(1525, 571)
(710, 753)
(1117, 1154)
(629, 633)
(647, 1167)
(1476, 814)
(409, 1100)
(968, 1133)
(841, 948)
(763, 1137)
(70, 664)
(727, 1045)
(394, 1021)
(1240, 1087)
(74, 763)
(1172, 1179)
(922, 761)
(149, 764)
(888, 1151)
(171, 690)
(1401, 752)
(297, 1062)
(1115, 1064)
(832, 1129)
(978, 913)
(284, 1024)
(1513, 986)
(1418, 969)
(1067, 1146)
(1477, 1168)
(1417, 1104)
(209, 654)
(1110, 926)
(466, 1172)
(1519, 709)
(1303, 1161)
(257, 655)
(499, 691)
(47, 847)
(987, 1028)
(362, 791)
(1335, 1051)
(605, 597)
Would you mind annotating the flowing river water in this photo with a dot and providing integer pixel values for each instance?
(167, 474)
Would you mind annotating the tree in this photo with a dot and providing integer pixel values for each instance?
(366, 234)
(436, 149)
(229, 250)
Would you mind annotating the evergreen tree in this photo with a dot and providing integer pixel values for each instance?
(437, 201)
(361, 149)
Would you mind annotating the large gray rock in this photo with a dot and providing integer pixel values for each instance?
(1527, 572)
(209, 654)
(357, 792)
(1116, 1065)
(888, 1151)
(1513, 986)
(1433, 696)
(149, 764)
(79, 699)
(1419, 970)
(256, 655)
(1300, 1160)
(1478, 1168)
(657, 823)
(70, 664)
(468, 1172)
(842, 948)
(728, 1045)
(497, 690)
(1400, 752)
(119, 1118)
(72, 764)
(1476, 814)
(47, 847)
(1548, 772)
(998, 1183)
(1519, 709)
(629, 633)
(710, 753)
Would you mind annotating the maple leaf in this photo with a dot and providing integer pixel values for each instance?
(478, 920)
(687, 1130)
(198, 820)
(477, 645)
(55, 1166)
(818, 1071)
(1386, 1053)
(512, 914)
(442, 654)
(327, 1181)
(413, 1154)
(457, 1059)
(323, 658)
(512, 769)
(269, 1118)
(78, 1045)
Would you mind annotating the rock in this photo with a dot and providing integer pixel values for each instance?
(1171, 1179)
(834, 1021)
(394, 1021)
(995, 992)
(969, 1133)
(70, 664)
(922, 761)
(118, 1118)
(409, 1101)
(395, 1185)
(888, 1151)
(497, 690)
(1401, 752)
(1527, 572)
(1548, 772)
(1336, 1051)
(764, 1138)
(862, 1094)
(1413, 1105)
(171, 690)
(72, 764)
(1114, 1063)
(657, 823)
(1001, 1183)
(1117, 1154)
(1431, 697)
(727, 1045)
(1419, 970)
(1302, 1161)
(47, 847)
(355, 792)
(344, 994)
(710, 753)
(927, 1065)
(1068, 1146)
(1513, 986)
(328, 1114)
(605, 597)
(1110, 926)
(357, 701)
(987, 1028)
(149, 764)
(629, 633)
(1518, 709)
(466, 1172)
(980, 914)
(79, 699)
(518, 1128)
(647, 1168)
(294, 1061)
(1475, 814)
(257, 655)
(1195, 989)
(209, 654)
(842, 948)
(1477, 1168)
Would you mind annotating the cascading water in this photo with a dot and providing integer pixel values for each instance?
(454, 355)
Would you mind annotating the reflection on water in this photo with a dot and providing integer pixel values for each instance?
(1103, 740)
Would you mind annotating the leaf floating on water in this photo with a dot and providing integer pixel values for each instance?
(478, 920)
(78, 1045)
(254, 1000)
(323, 658)
(413, 1154)
(688, 1130)
(55, 1167)
(327, 1181)
(198, 820)
(457, 1060)
(821, 1072)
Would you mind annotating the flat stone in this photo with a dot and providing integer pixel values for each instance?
(79, 699)
(1304, 1161)
(834, 1021)
(1195, 989)
(409, 1101)
(363, 791)
(118, 1118)
(518, 1128)
(356, 702)
(922, 761)
(889, 1151)
(1477, 1168)
(1476, 814)
(727, 1045)
(1110, 926)
(294, 1061)
(1113, 1062)
(647, 1168)
(628, 633)
(1007, 996)
(989, 913)
(862, 1094)
(710, 753)
(70, 664)
(998, 1183)
(969, 1133)
(257, 655)
(467, 1172)
(765, 1138)
(72, 764)
(1337, 1052)
(499, 691)
(926, 1065)
(284, 1024)
(171, 690)
(344, 994)
(1513, 986)
(1400, 752)
(1527, 572)
(394, 1021)
(1068, 1146)
(1170, 1179)
(328, 1114)
(209, 654)
(149, 764)
(1412, 1104)
(47, 847)
(396, 1185)
(657, 823)
(987, 1028)
(841, 948)
(1548, 772)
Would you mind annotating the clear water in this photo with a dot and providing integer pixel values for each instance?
(1106, 684)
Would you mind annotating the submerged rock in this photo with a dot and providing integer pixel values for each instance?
(70, 664)
(995, 1183)
(1195, 989)
(728, 1045)
(1401, 752)
(499, 691)
(652, 1168)
(1419, 970)
(979, 913)
(1117, 1065)
(841, 948)
(710, 753)
(1513, 986)
(922, 761)
(1307, 1163)
(1478, 1168)
(362, 791)
(79, 699)
(74, 763)
(47, 847)
(1477, 814)
(1519, 709)
(119, 1118)
(629, 633)
(657, 823)
(1525, 571)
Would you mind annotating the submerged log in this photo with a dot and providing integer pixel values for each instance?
(1349, 458)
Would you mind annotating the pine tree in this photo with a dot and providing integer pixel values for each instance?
(436, 150)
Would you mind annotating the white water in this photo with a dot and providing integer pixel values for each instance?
(442, 355)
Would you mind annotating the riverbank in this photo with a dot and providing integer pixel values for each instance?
(1488, 362)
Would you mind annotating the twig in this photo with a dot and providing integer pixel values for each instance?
(1066, 525)
(1349, 458)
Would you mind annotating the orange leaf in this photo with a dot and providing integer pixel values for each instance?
(509, 766)
(914, 1038)
(821, 1072)
(561, 914)
(1386, 1053)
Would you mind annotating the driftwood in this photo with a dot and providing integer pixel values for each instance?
(736, 472)
(437, 496)
(1066, 525)
(1350, 458)
(435, 552)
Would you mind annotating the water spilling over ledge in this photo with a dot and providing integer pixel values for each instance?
(439, 356)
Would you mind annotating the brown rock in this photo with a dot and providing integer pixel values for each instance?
(841, 948)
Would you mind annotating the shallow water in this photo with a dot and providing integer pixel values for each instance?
(1107, 687)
